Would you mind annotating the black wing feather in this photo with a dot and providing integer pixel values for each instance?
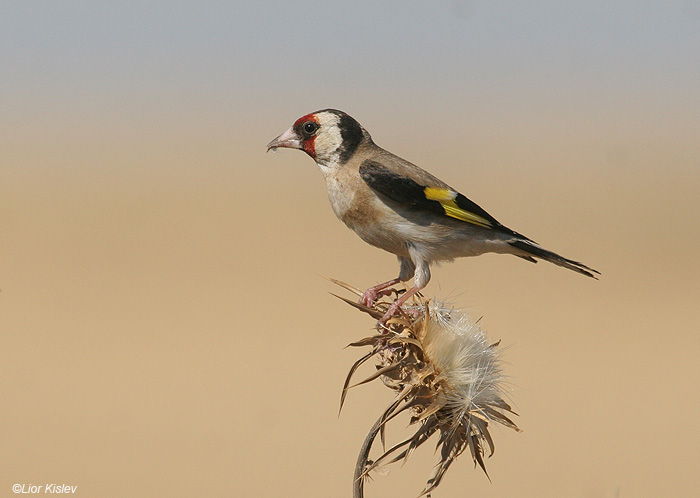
(397, 187)
(407, 191)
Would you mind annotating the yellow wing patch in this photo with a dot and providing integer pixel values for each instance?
(439, 194)
(446, 198)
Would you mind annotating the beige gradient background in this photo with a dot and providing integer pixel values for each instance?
(165, 327)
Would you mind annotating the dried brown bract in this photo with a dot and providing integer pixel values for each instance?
(447, 376)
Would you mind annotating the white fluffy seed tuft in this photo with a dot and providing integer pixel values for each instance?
(459, 350)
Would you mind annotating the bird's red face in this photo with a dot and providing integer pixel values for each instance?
(330, 137)
(302, 135)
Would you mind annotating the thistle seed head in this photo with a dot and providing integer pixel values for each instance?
(446, 375)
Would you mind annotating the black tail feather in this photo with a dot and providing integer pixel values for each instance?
(531, 249)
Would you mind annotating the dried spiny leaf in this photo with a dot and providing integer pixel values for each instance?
(347, 379)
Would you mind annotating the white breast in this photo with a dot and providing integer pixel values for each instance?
(340, 201)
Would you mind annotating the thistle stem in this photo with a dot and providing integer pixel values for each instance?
(358, 483)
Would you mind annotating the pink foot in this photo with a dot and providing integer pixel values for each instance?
(371, 295)
(395, 308)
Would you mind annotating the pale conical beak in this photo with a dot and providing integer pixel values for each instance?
(288, 139)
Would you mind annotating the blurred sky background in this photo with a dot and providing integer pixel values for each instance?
(165, 327)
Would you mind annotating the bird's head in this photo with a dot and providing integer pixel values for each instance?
(330, 137)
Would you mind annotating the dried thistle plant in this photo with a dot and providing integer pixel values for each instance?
(446, 375)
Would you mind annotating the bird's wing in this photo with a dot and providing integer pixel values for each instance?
(426, 193)
(411, 186)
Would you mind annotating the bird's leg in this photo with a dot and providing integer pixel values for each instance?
(373, 293)
(396, 305)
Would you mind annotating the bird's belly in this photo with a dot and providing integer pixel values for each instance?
(371, 224)
(433, 241)
(395, 229)
(382, 238)
(379, 232)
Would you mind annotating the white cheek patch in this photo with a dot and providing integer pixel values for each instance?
(328, 140)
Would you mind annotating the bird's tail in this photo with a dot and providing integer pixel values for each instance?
(532, 249)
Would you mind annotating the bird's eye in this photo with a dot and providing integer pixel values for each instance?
(310, 127)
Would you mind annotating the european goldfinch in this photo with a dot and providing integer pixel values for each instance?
(397, 206)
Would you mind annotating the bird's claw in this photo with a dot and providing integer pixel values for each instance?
(391, 312)
(370, 296)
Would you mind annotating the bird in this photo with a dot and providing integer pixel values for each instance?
(399, 207)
